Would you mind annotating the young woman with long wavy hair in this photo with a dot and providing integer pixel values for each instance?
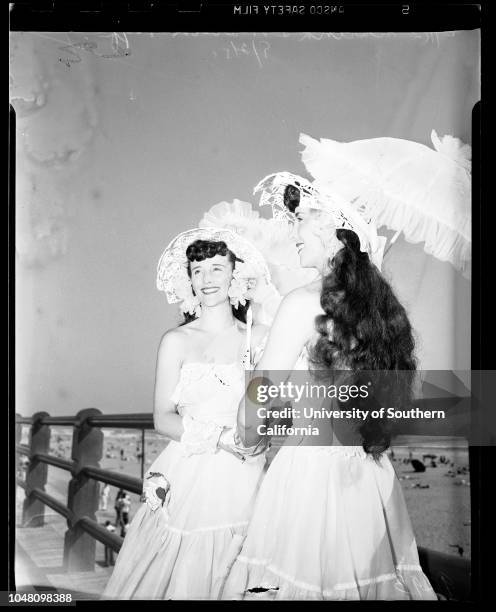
(330, 521)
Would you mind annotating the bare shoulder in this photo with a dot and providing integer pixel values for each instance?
(304, 301)
(174, 341)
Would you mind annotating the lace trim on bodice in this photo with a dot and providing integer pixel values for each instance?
(193, 371)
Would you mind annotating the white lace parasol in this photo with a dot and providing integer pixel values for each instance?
(406, 186)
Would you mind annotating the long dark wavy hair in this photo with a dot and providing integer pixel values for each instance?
(364, 328)
(200, 250)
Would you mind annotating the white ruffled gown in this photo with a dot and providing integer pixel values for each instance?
(329, 523)
(184, 551)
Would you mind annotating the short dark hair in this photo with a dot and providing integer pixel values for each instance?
(291, 197)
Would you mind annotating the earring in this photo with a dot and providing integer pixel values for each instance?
(237, 290)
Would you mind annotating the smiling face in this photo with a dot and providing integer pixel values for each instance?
(315, 230)
(211, 279)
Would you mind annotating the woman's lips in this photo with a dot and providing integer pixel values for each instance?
(209, 290)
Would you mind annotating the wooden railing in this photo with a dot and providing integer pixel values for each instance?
(449, 575)
(83, 530)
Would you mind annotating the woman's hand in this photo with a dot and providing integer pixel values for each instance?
(231, 443)
(226, 443)
(156, 491)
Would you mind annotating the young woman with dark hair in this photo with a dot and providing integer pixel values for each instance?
(330, 521)
(199, 491)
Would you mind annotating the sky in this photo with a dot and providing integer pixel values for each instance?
(125, 140)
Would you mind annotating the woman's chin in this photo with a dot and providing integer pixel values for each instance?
(214, 301)
(306, 262)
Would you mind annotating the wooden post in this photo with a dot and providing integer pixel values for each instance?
(83, 493)
(18, 462)
(142, 453)
(18, 438)
(33, 510)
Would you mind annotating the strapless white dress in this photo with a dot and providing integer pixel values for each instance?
(329, 523)
(185, 550)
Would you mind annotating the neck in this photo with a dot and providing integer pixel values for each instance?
(216, 318)
(325, 267)
(322, 270)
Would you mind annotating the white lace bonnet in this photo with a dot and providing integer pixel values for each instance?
(272, 189)
(172, 269)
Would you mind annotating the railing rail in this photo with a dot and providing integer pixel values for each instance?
(23, 449)
(101, 534)
(20, 420)
(53, 503)
(129, 483)
(130, 421)
(84, 487)
(449, 575)
(59, 462)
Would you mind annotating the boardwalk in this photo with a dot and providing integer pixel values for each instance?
(39, 560)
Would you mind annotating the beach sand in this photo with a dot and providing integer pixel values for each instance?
(440, 513)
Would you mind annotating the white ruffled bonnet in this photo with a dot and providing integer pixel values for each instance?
(172, 269)
(272, 189)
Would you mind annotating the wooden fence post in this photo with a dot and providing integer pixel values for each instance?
(18, 438)
(83, 493)
(33, 510)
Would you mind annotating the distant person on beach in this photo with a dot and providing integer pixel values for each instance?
(125, 507)
(104, 495)
(118, 506)
(124, 529)
(109, 552)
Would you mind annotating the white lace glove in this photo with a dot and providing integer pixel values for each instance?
(156, 491)
(199, 437)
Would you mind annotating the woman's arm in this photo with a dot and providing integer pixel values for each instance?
(165, 417)
(292, 328)
(259, 335)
